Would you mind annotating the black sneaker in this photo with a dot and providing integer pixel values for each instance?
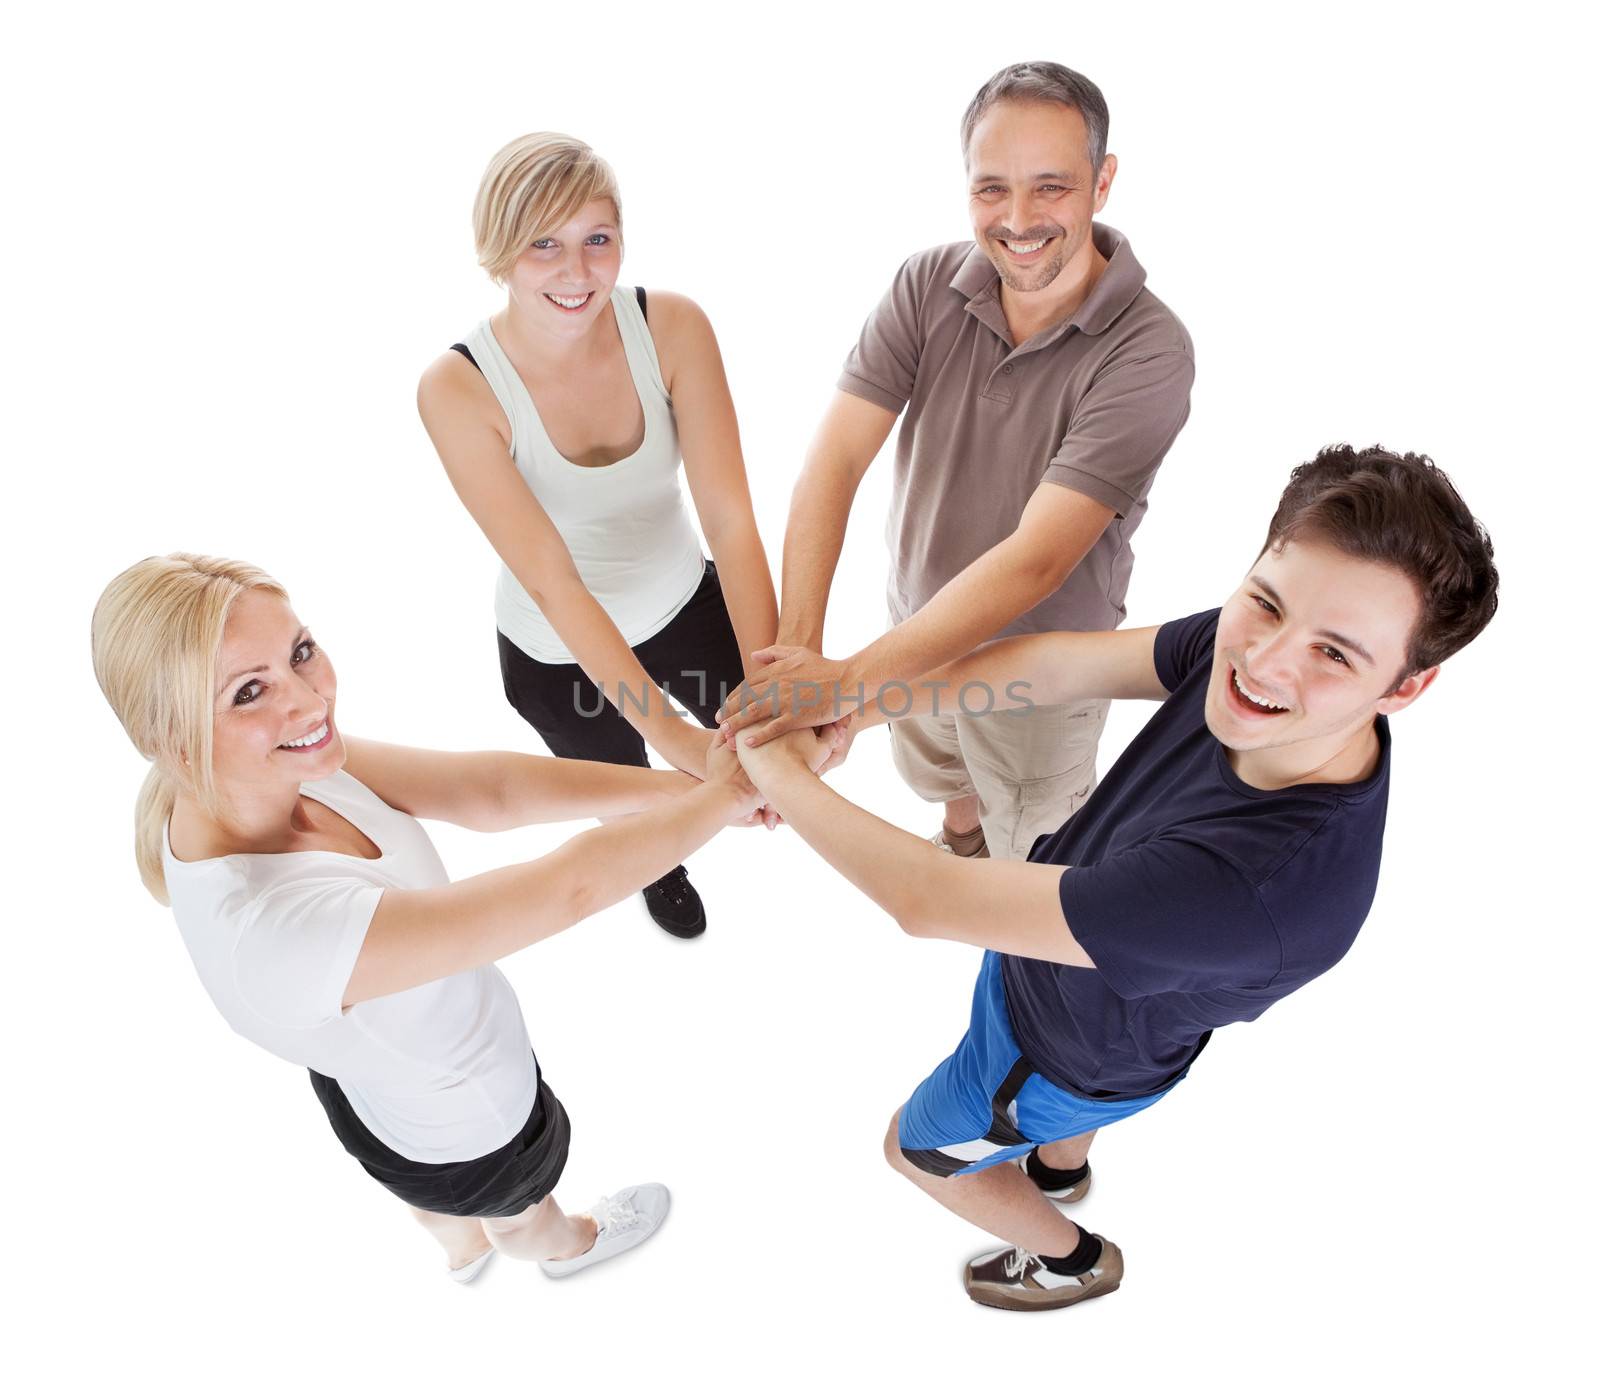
(675, 906)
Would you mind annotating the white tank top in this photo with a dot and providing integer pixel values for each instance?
(625, 524)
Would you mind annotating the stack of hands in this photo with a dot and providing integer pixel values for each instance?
(768, 725)
(751, 768)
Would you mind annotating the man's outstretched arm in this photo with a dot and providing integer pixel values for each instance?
(848, 439)
(1058, 527)
(1058, 667)
(1008, 906)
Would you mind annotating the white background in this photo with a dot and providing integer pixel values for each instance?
(236, 237)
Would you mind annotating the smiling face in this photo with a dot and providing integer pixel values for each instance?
(1310, 650)
(272, 714)
(1032, 191)
(562, 282)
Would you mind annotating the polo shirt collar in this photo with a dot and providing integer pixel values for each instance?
(1119, 284)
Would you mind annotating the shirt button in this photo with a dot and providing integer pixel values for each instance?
(1006, 368)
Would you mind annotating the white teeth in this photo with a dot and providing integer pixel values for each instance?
(1025, 247)
(1262, 703)
(578, 302)
(309, 738)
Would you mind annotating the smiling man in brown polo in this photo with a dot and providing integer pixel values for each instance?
(1042, 385)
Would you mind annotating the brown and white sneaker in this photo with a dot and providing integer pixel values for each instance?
(1015, 1280)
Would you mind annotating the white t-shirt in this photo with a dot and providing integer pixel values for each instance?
(442, 1072)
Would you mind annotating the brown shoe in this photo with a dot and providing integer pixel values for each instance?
(1015, 1280)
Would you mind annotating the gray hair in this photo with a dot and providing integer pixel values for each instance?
(1044, 82)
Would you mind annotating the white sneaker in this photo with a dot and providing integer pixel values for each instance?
(624, 1221)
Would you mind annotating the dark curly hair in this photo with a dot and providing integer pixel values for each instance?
(1401, 510)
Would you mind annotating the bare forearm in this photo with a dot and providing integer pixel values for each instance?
(418, 936)
(990, 593)
(1014, 907)
(818, 517)
(849, 437)
(896, 869)
(606, 658)
(746, 588)
(1057, 528)
(992, 679)
(606, 864)
(1057, 667)
(539, 790)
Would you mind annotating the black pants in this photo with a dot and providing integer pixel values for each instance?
(694, 658)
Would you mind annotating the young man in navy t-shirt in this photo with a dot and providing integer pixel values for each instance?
(1229, 856)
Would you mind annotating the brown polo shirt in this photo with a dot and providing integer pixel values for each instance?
(1092, 404)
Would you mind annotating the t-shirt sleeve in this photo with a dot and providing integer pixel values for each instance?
(298, 946)
(1169, 916)
(1122, 428)
(1184, 645)
(882, 366)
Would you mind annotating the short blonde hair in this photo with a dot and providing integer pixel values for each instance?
(155, 634)
(531, 187)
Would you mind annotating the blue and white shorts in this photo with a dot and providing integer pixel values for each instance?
(986, 1104)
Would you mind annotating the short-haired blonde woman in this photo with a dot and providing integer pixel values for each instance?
(322, 923)
(560, 421)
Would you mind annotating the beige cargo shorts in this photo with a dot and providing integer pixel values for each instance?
(1030, 768)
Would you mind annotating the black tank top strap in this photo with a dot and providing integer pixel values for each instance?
(638, 292)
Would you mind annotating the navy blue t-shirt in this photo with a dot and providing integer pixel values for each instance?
(1201, 900)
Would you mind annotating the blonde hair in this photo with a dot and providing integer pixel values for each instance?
(531, 187)
(156, 632)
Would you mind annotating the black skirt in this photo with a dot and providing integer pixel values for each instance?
(499, 1184)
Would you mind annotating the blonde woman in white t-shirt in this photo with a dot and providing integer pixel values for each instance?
(324, 927)
(559, 421)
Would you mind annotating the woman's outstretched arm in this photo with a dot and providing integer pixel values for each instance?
(460, 414)
(489, 791)
(713, 463)
(419, 935)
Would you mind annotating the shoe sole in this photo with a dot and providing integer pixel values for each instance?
(468, 1273)
(571, 1267)
(678, 932)
(1002, 1299)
